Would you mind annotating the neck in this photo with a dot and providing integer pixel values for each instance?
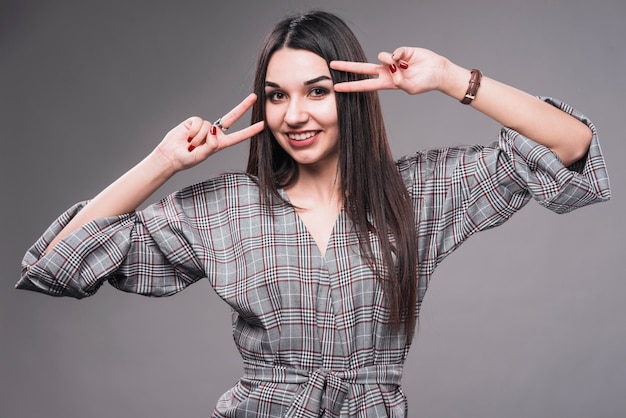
(316, 185)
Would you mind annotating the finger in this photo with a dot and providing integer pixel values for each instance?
(355, 67)
(401, 53)
(193, 125)
(395, 58)
(386, 58)
(201, 134)
(235, 113)
(208, 140)
(241, 135)
(370, 84)
(222, 141)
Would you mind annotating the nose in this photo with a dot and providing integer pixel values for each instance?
(296, 113)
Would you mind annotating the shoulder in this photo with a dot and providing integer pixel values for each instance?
(430, 161)
(212, 196)
(223, 184)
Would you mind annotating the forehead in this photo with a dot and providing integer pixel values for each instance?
(295, 64)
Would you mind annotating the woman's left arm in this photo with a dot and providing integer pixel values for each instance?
(566, 136)
(418, 70)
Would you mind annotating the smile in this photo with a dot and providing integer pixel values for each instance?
(302, 136)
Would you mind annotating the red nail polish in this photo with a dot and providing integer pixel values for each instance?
(403, 65)
(392, 68)
(189, 139)
(213, 130)
(191, 148)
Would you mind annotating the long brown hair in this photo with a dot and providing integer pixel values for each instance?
(373, 193)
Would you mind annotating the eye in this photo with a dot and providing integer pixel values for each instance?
(275, 96)
(319, 92)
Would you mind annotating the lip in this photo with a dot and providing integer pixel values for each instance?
(301, 143)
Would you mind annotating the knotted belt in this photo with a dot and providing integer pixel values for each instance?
(324, 390)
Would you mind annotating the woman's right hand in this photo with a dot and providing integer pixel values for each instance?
(186, 145)
(195, 139)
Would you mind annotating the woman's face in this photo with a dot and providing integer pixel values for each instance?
(300, 107)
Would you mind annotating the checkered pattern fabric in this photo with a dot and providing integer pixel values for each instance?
(312, 329)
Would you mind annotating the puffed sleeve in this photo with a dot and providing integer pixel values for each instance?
(556, 187)
(461, 190)
(149, 252)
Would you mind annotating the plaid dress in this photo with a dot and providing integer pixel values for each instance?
(312, 329)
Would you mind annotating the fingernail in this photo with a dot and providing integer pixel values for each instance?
(191, 148)
(213, 130)
(392, 68)
(403, 65)
(189, 139)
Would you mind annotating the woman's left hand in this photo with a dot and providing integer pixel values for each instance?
(418, 70)
(414, 70)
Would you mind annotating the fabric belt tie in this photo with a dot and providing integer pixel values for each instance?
(323, 391)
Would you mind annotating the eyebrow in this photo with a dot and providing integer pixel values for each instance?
(317, 79)
(306, 83)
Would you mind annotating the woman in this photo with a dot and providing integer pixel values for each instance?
(324, 248)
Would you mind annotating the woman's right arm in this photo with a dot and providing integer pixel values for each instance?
(185, 146)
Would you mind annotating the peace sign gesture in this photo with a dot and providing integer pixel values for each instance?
(414, 70)
(195, 139)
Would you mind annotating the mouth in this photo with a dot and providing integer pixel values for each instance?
(301, 136)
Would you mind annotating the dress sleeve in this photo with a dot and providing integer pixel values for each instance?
(462, 190)
(556, 187)
(149, 252)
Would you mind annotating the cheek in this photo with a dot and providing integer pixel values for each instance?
(273, 117)
(329, 113)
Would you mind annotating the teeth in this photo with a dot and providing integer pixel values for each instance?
(302, 136)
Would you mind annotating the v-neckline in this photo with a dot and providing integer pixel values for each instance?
(306, 228)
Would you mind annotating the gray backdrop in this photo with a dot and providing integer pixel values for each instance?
(523, 321)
